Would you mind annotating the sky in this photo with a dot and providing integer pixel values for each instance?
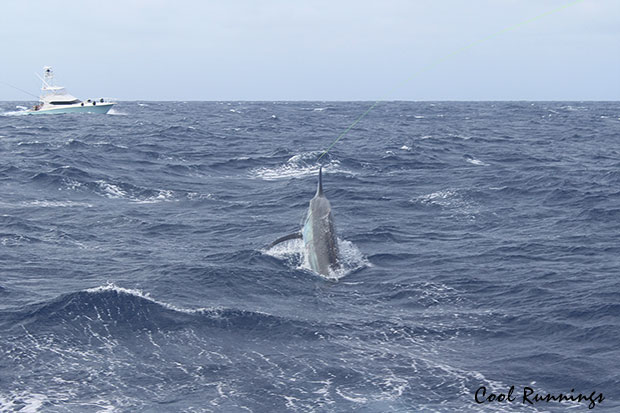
(271, 50)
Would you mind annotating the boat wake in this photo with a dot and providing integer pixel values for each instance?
(22, 110)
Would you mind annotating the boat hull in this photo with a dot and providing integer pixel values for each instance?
(87, 108)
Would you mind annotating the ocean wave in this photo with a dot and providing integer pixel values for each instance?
(68, 178)
(110, 307)
(429, 298)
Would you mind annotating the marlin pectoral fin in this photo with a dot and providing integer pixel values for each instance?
(296, 235)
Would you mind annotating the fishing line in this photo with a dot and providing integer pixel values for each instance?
(21, 90)
(447, 57)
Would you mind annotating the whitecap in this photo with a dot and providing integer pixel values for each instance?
(25, 403)
(474, 161)
(59, 204)
(298, 166)
(162, 195)
(355, 398)
(450, 200)
(443, 198)
(115, 112)
(111, 190)
(147, 296)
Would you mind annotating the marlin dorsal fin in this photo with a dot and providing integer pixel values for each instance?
(319, 189)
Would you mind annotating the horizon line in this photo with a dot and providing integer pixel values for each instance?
(347, 100)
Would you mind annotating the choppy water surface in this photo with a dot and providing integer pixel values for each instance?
(480, 243)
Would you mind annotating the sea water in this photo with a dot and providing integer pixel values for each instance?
(479, 242)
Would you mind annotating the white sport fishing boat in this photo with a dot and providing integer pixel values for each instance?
(56, 99)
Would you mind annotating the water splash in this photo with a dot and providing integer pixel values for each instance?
(293, 253)
(298, 166)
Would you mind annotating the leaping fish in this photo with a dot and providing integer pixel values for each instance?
(320, 241)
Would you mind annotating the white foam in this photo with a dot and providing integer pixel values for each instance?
(111, 190)
(449, 199)
(115, 192)
(355, 398)
(71, 184)
(59, 204)
(475, 161)
(146, 296)
(438, 198)
(290, 402)
(163, 195)
(351, 259)
(15, 113)
(25, 403)
(197, 195)
(465, 138)
(297, 166)
(293, 253)
(115, 112)
(405, 148)
(105, 406)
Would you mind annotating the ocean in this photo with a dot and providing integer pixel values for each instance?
(479, 242)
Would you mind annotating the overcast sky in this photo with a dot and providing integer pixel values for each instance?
(313, 49)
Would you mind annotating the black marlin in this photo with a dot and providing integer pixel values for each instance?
(318, 234)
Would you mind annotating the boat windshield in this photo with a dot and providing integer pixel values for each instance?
(65, 102)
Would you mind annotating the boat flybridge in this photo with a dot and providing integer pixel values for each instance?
(56, 99)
